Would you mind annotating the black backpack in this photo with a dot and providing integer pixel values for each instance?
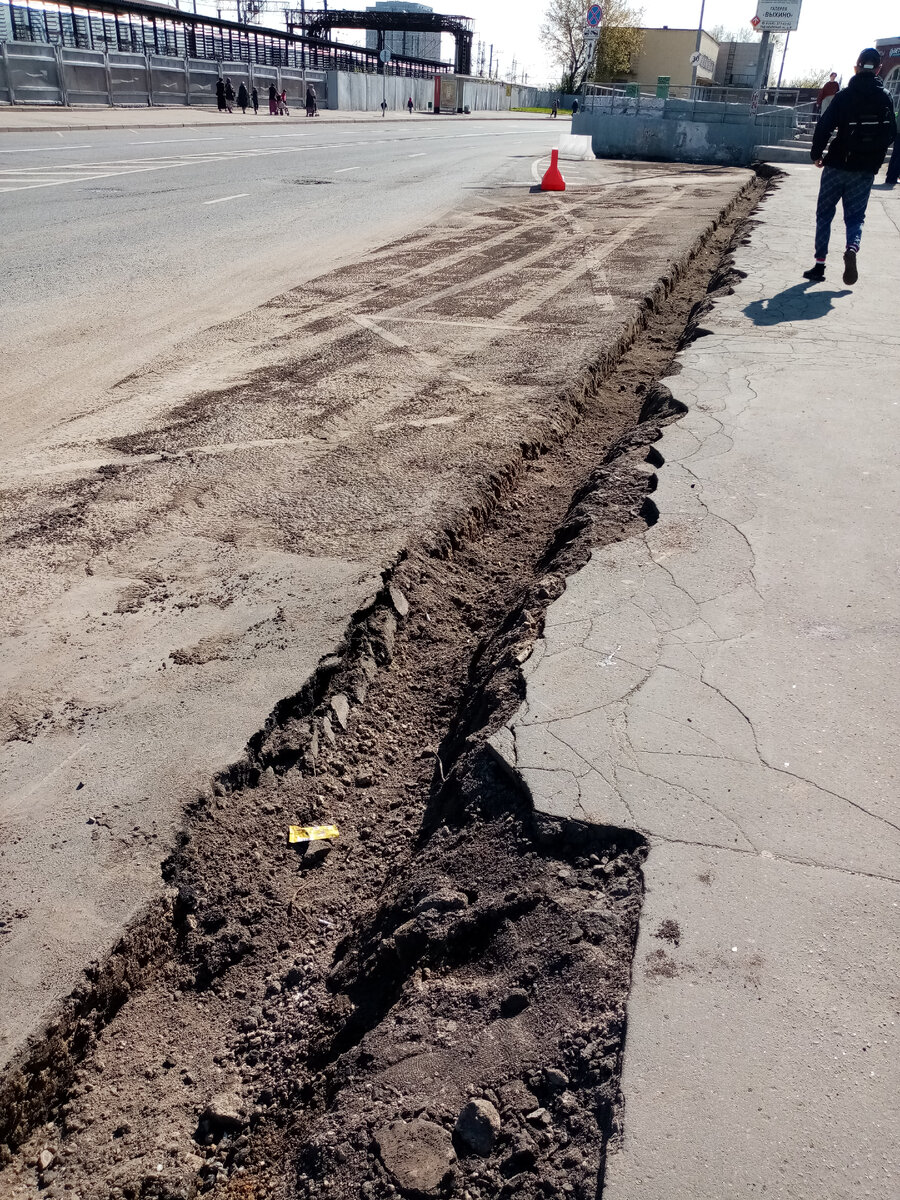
(867, 132)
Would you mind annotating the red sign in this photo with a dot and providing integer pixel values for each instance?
(754, 21)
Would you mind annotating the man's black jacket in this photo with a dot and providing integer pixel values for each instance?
(863, 115)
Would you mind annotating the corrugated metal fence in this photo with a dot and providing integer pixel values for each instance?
(36, 73)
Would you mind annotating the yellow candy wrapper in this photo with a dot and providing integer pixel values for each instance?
(311, 833)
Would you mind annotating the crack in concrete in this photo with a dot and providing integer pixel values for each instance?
(792, 774)
(688, 791)
(793, 860)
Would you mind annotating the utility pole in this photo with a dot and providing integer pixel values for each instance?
(781, 69)
(697, 47)
(491, 63)
(762, 62)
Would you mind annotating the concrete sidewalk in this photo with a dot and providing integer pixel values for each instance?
(727, 686)
(54, 119)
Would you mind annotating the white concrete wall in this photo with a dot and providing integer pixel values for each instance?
(361, 92)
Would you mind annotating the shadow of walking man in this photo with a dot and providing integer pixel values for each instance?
(795, 303)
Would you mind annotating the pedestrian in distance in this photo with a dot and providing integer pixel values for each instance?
(829, 89)
(283, 109)
(273, 101)
(229, 94)
(861, 117)
(254, 100)
(220, 94)
(574, 108)
(409, 105)
(243, 98)
(312, 108)
(555, 109)
(383, 108)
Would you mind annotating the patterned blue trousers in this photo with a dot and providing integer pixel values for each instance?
(853, 188)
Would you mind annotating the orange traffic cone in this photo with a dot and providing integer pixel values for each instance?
(553, 180)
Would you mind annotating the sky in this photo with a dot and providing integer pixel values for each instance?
(831, 32)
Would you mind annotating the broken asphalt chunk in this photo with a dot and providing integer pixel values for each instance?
(418, 1154)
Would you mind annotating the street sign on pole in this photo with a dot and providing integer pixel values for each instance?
(385, 56)
(594, 16)
(777, 16)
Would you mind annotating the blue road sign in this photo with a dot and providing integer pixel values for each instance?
(594, 16)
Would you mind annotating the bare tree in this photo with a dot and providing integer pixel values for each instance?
(813, 78)
(723, 34)
(620, 41)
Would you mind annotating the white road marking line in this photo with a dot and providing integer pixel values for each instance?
(222, 199)
(177, 141)
(421, 154)
(139, 166)
(343, 170)
(42, 149)
(29, 187)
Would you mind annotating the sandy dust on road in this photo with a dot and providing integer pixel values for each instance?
(178, 561)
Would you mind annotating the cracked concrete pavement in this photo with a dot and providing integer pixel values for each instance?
(726, 686)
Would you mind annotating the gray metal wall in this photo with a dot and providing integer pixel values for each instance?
(680, 131)
(39, 73)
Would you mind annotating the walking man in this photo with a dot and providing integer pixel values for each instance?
(862, 118)
(831, 88)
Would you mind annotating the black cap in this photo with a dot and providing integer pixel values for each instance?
(869, 59)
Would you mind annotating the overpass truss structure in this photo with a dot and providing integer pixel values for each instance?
(318, 23)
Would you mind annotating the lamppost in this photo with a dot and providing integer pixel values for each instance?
(697, 48)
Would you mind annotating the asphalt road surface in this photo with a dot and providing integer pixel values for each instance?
(241, 377)
(118, 245)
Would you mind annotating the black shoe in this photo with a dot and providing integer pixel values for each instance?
(850, 272)
(815, 274)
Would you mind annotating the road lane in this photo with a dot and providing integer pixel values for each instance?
(113, 256)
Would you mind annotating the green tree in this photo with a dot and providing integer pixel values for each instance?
(621, 39)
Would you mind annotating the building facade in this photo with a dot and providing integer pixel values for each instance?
(668, 52)
(890, 65)
(411, 45)
(737, 62)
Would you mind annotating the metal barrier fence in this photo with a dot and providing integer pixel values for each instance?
(783, 97)
(46, 74)
(128, 27)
